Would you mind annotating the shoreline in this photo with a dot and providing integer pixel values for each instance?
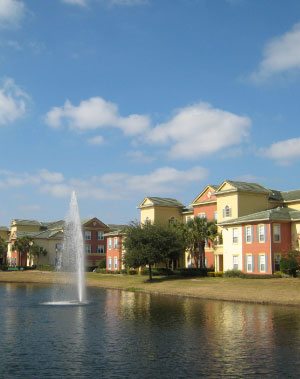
(281, 291)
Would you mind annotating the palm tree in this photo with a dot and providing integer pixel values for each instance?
(22, 245)
(200, 231)
(36, 251)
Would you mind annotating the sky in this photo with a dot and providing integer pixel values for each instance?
(123, 99)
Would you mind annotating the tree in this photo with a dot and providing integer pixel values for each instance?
(150, 244)
(290, 263)
(36, 251)
(199, 230)
(3, 250)
(22, 245)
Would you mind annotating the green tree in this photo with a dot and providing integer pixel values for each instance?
(290, 263)
(22, 245)
(3, 250)
(150, 244)
(36, 251)
(199, 230)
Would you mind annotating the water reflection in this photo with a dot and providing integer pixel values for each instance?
(125, 334)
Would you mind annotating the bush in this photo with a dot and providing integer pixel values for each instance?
(46, 268)
(3, 267)
(234, 274)
(157, 271)
(123, 271)
(277, 274)
(102, 263)
(289, 266)
(91, 268)
(132, 272)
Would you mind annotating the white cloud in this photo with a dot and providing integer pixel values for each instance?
(96, 113)
(52, 177)
(11, 13)
(82, 3)
(13, 102)
(284, 152)
(249, 178)
(97, 140)
(200, 130)
(280, 55)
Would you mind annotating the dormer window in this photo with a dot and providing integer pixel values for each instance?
(227, 211)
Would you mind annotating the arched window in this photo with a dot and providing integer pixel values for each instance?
(147, 220)
(171, 220)
(227, 211)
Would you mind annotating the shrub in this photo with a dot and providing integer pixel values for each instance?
(289, 266)
(91, 268)
(102, 263)
(132, 272)
(234, 274)
(277, 274)
(157, 271)
(101, 271)
(3, 267)
(123, 271)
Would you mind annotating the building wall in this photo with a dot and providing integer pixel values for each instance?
(251, 203)
(147, 213)
(295, 235)
(208, 209)
(229, 199)
(257, 249)
(231, 249)
(114, 253)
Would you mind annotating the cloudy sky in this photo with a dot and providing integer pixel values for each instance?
(120, 99)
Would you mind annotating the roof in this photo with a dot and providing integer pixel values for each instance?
(116, 227)
(162, 202)
(246, 187)
(274, 214)
(290, 195)
(4, 228)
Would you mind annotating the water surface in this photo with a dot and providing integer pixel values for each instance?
(130, 335)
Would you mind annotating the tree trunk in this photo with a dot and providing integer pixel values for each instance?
(202, 254)
(150, 273)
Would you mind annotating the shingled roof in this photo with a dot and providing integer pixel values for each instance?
(247, 187)
(274, 214)
(163, 202)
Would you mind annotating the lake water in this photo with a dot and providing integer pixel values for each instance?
(132, 335)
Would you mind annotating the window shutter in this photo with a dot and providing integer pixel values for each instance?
(266, 233)
(258, 263)
(223, 212)
(266, 263)
(245, 263)
(252, 234)
(245, 234)
(229, 211)
(253, 263)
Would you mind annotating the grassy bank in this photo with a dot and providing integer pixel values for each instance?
(285, 291)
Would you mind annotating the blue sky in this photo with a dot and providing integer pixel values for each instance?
(121, 99)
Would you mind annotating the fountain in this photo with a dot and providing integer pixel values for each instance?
(71, 261)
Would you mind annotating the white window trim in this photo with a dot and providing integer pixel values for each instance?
(109, 243)
(235, 238)
(101, 234)
(88, 235)
(261, 240)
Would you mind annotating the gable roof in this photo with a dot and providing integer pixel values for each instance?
(214, 187)
(243, 187)
(161, 201)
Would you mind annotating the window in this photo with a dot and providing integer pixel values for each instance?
(227, 211)
(116, 263)
(276, 233)
(100, 249)
(109, 262)
(277, 260)
(235, 262)
(100, 236)
(262, 263)
(235, 235)
(188, 219)
(116, 243)
(147, 220)
(88, 235)
(249, 234)
(88, 249)
(202, 215)
(249, 263)
(109, 243)
(261, 233)
(215, 216)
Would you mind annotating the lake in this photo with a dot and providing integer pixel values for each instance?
(132, 335)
